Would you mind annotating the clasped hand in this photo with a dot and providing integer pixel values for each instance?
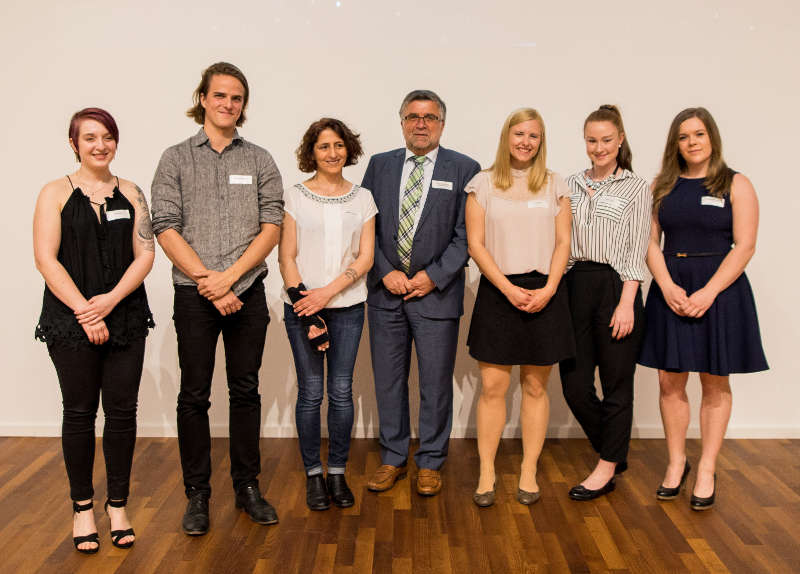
(213, 284)
(96, 309)
(529, 300)
(398, 283)
(313, 302)
(694, 305)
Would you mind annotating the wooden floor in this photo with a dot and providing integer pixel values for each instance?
(755, 526)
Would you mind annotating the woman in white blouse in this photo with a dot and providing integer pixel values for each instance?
(518, 229)
(610, 230)
(326, 249)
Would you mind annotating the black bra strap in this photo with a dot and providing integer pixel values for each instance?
(117, 178)
(70, 183)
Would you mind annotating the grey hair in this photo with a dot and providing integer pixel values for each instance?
(423, 95)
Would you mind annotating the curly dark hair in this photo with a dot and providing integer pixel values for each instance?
(305, 152)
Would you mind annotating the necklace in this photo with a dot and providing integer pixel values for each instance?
(597, 185)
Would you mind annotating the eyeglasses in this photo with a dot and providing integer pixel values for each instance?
(426, 119)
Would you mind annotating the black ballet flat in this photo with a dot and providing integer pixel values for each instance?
(700, 503)
(621, 467)
(89, 537)
(667, 493)
(580, 492)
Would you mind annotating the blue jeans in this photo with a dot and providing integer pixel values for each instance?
(344, 330)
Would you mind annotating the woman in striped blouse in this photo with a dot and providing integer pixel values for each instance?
(611, 225)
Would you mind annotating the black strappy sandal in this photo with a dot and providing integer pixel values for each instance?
(76, 508)
(117, 535)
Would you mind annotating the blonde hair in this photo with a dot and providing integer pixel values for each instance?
(718, 177)
(501, 169)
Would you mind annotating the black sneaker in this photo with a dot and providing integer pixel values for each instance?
(258, 509)
(195, 520)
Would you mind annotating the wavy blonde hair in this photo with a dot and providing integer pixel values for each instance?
(501, 169)
(718, 177)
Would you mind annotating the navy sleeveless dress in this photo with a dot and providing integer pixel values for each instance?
(698, 233)
(96, 253)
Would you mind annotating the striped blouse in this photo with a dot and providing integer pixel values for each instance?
(612, 225)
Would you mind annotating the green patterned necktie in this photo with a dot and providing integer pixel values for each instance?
(408, 211)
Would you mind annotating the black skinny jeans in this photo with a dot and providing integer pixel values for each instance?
(198, 325)
(87, 374)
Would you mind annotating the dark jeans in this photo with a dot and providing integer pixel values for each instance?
(198, 325)
(594, 291)
(344, 329)
(87, 374)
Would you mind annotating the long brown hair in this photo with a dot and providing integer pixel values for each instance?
(718, 177)
(611, 113)
(197, 112)
(501, 170)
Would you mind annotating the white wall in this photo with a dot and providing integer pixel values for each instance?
(355, 59)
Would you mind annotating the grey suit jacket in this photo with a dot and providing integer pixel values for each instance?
(440, 242)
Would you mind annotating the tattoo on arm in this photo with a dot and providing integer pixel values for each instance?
(144, 233)
(351, 274)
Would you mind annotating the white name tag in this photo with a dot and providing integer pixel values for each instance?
(117, 214)
(436, 184)
(240, 179)
(711, 200)
(537, 203)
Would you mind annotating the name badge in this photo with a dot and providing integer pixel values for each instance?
(711, 200)
(117, 214)
(436, 184)
(537, 203)
(240, 179)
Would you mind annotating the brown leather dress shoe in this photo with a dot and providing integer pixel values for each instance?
(429, 481)
(385, 477)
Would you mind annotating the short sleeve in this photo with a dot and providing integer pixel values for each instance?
(559, 189)
(289, 201)
(368, 207)
(479, 185)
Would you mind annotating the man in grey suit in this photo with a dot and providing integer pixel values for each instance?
(416, 287)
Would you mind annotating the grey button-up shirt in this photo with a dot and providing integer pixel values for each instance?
(217, 201)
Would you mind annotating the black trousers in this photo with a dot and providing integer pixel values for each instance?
(594, 292)
(198, 325)
(85, 375)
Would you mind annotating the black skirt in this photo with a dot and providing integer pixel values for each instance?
(501, 334)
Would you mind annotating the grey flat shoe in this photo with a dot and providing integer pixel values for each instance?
(527, 498)
(484, 499)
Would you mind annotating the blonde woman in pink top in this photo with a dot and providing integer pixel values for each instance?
(518, 230)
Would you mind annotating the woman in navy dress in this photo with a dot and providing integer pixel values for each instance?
(700, 311)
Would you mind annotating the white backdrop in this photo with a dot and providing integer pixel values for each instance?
(355, 60)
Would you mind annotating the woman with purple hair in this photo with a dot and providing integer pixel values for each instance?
(93, 244)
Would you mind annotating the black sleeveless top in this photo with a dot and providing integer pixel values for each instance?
(96, 254)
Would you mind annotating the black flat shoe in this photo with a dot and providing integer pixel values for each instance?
(580, 492)
(621, 467)
(195, 519)
(89, 537)
(699, 503)
(340, 493)
(259, 510)
(117, 535)
(670, 493)
(316, 493)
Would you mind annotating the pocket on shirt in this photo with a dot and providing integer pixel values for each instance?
(612, 208)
